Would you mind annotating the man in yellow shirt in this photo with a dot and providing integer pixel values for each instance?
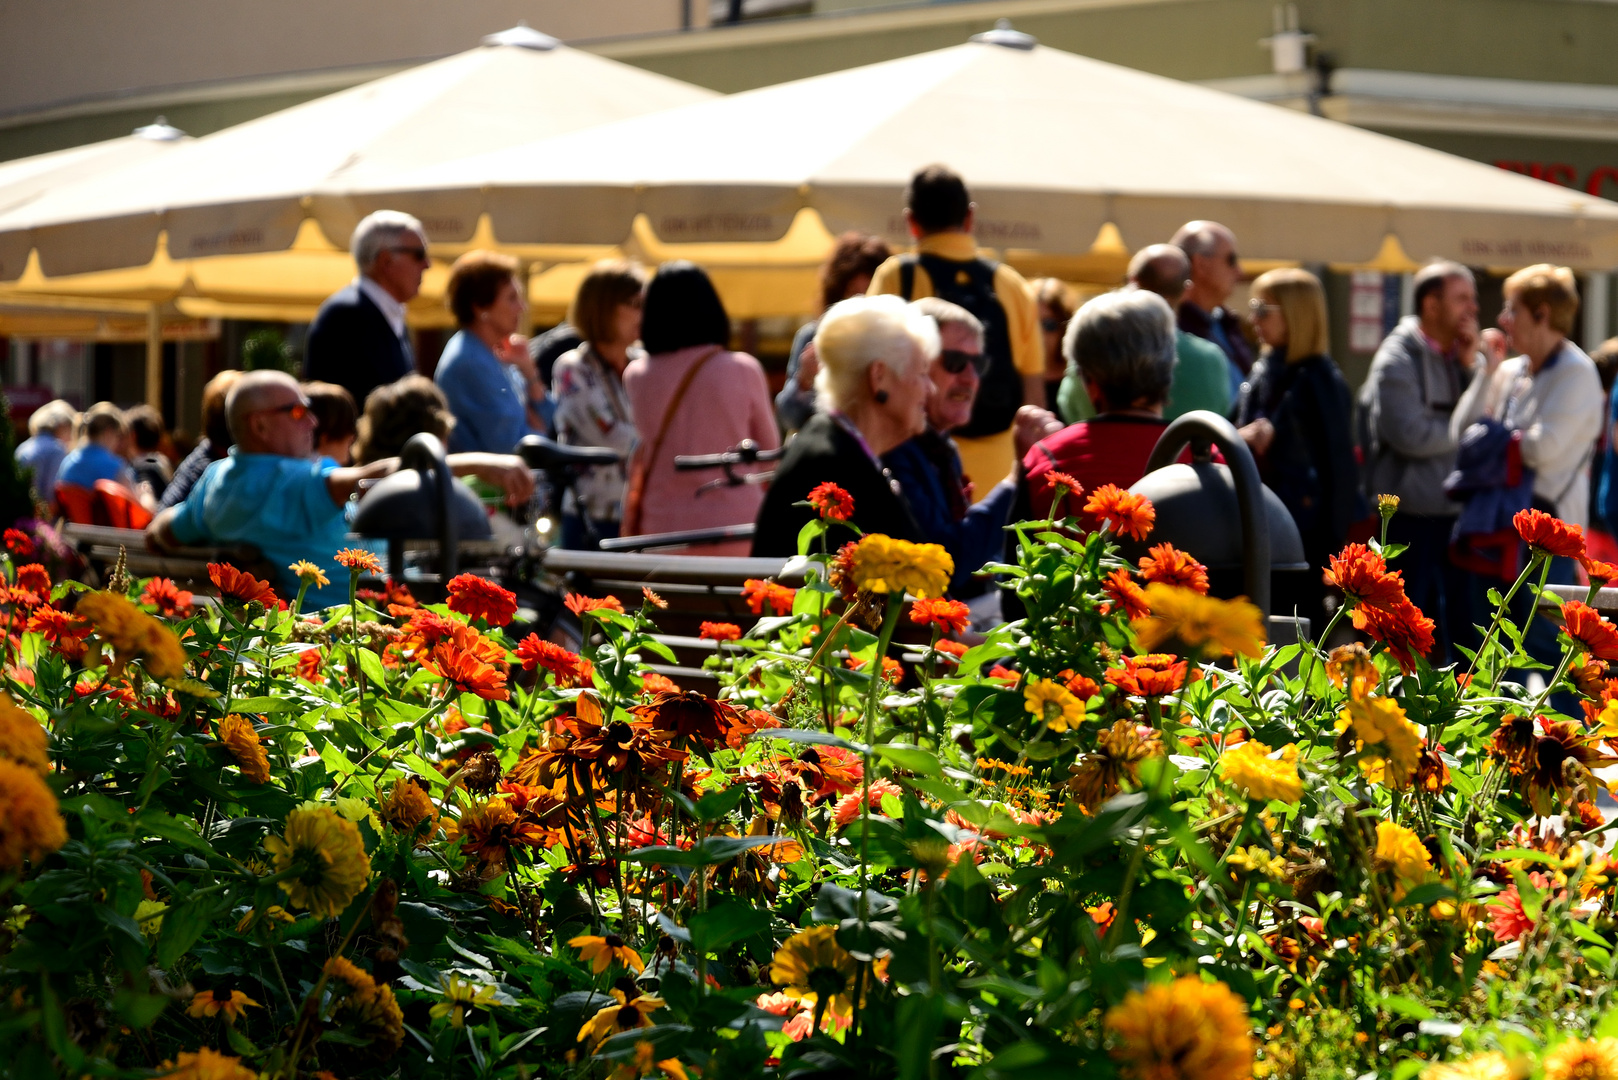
(946, 264)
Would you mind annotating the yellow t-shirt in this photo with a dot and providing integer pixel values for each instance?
(987, 460)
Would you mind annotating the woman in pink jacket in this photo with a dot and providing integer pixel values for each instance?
(691, 395)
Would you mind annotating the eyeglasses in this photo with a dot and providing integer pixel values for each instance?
(1231, 259)
(956, 361)
(297, 410)
(1260, 308)
(416, 253)
(1053, 326)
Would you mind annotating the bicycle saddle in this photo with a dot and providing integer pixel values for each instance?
(542, 453)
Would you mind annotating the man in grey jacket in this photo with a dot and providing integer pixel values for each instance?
(1416, 379)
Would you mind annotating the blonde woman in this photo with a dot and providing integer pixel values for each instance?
(1295, 414)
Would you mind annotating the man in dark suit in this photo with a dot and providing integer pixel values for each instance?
(359, 339)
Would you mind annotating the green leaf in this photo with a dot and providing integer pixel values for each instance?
(183, 924)
(911, 758)
(371, 664)
(1524, 854)
(804, 735)
(1407, 1007)
(1423, 895)
(724, 924)
(710, 850)
(138, 1010)
(266, 705)
(716, 804)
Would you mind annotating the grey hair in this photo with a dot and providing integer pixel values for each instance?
(248, 394)
(945, 314)
(1124, 343)
(52, 415)
(856, 333)
(1201, 237)
(379, 229)
(1430, 279)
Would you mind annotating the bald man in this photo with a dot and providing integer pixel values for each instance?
(1215, 270)
(273, 493)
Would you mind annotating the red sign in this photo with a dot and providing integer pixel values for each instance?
(1562, 174)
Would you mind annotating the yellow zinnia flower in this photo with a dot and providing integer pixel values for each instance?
(218, 1000)
(205, 1064)
(133, 634)
(460, 997)
(407, 805)
(1053, 703)
(237, 733)
(31, 824)
(1385, 738)
(1217, 627)
(370, 1010)
(885, 565)
(812, 966)
(1264, 775)
(1491, 1066)
(600, 952)
(330, 856)
(22, 738)
(625, 1014)
(1187, 1028)
(1403, 851)
(1582, 1059)
(309, 573)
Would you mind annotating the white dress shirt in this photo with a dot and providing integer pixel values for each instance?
(391, 309)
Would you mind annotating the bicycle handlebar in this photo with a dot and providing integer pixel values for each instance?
(745, 452)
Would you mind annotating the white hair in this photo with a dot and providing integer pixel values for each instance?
(856, 333)
(379, 229)
(52, 415)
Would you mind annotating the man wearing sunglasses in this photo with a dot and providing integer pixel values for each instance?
(359, 339)
(273, 493)
(928, 467)
(1215, 270)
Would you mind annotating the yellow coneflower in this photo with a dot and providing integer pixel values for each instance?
(600, 952)
(220, 1001)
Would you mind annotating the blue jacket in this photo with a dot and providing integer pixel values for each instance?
(928, 469)
(485, 395)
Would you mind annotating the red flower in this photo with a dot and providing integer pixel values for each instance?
(1586, 626)
(721, 631)
(1169, 565)
(1507, 919)
(20, 544)
(1600, 572)
(758, 594)
(65, 633)
(653, 683)
(479, 598)
(424, 629)
(309, 662)
(1128, 595)
(1548, 534)
(35, 578)
(1061, 479)
(831, 502)
(1363, 576)
(1003, 674)
(848, 807)
(470, 674)
(1127, 514)
(950, 616)
(1080, 686)
(569, 668)
(237, 585)
(578, 604)
(359, 561)
(1402, 628)
(1152, 675)
(168, 598)
(892, 670)
(956, 649)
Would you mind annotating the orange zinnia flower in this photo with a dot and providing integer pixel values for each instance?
(956, 649)
(461, 666)
(65, 633)
(1152, 675)
(1600, 572)
(758, 594)
(1127, 514)
(479, 598)
(568, 667)
(1402, 628)
(1128, 595)
(237, 585)
(721, 631)
(36, 579)
(1586, 626)
(653, 683)
(1169, 565)
(1551, 535)
(20, 544)
(168, 598)
(359, 561)
(1080, 686)
(948, 615)
(578, 604)
(831, 502)
(1363, 576)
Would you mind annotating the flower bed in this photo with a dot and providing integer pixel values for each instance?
(1119, 836)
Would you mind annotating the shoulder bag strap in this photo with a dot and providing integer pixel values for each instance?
(641, 467)
(907, 276)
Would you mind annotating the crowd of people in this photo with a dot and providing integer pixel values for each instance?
(937, 386)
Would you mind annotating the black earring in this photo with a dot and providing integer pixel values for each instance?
(881, 397)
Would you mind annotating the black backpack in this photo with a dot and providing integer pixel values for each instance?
(971, 286)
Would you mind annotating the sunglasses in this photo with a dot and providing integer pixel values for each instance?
(956, 361)
(416, 253)
(1052, 326)
(1260, 308)
(297, 410)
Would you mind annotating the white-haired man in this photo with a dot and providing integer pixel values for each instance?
(359, 339)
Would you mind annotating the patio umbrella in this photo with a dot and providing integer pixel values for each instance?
(1054, 146)
(245, 189)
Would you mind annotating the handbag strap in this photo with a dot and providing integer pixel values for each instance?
(674, 407)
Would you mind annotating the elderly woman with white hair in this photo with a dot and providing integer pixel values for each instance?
(50, 427)
(874, 353)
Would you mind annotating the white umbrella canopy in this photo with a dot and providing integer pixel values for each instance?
(245, 189)
(25, 180)
(1053, 145)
